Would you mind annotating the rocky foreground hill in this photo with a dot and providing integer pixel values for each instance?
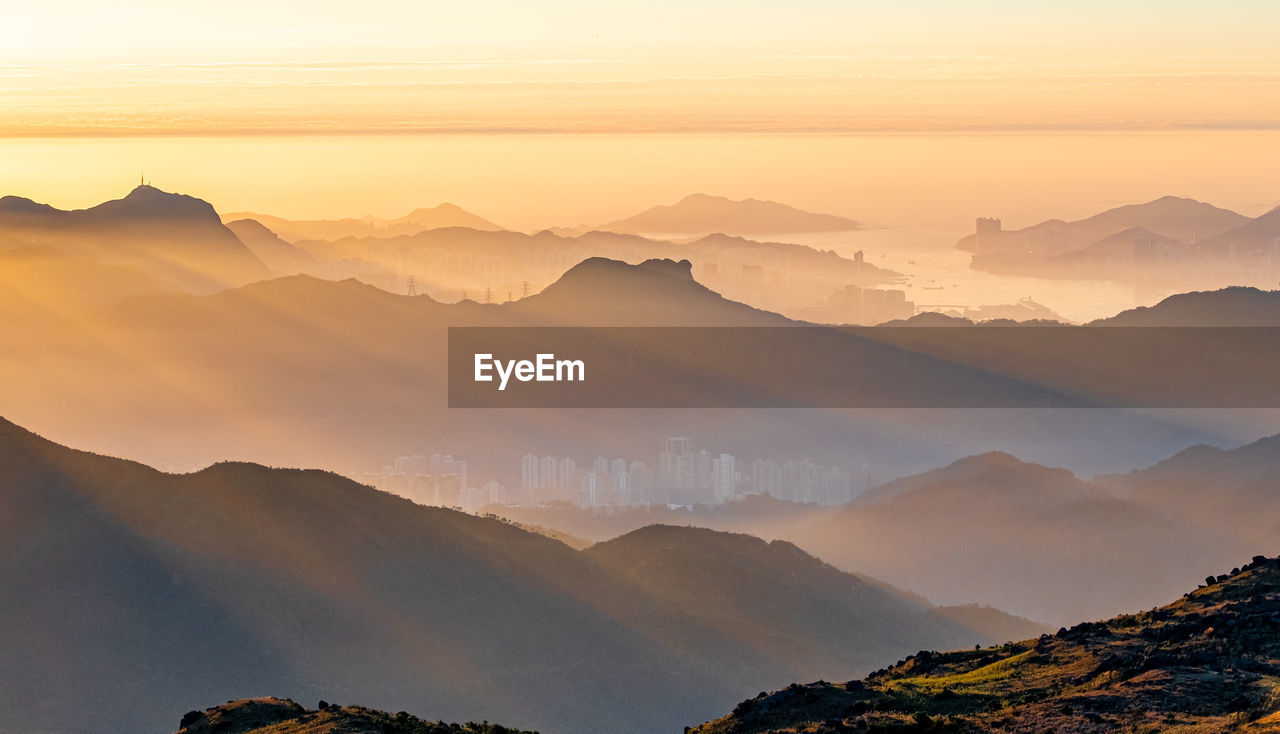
(283, 716)
(1209, 662)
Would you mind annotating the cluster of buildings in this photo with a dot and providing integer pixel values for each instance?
(683, 475)
(439, 480)
(805, 481)
(602, 482)
(868, 306)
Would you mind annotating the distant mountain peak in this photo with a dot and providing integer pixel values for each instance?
(993, 471)
(655, 292)
(603, 267)
(23, 205)
(698, 196)
(991, 459)
(706, 213)
(146, 201)
(252, 224)
(1000, 462)
(422, 219)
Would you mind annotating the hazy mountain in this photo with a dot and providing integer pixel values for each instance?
(1122, 244)
(1236, 491)
(454, 263)
(993, 471)
(171, 238)
(1030, 539)
(418, 220)
(1198, 664)
(704, 214)
(280, 256)
(756, 514)
(602, 291)
(282, 716)
(141, 590)
(992, 623)
(351, 376)
(344, 369)
(724, 249)
(1227, 307)
(792, 608)
(1255, 237)
(1173, 217)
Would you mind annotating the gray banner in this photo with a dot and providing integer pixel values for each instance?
(864, 367)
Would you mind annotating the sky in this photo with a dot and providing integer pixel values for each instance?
(136, 73)
(239, 67)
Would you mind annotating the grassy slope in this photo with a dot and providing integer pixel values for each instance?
(1209, 662)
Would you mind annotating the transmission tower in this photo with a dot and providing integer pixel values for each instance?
(524, 289)
(412, 287)
(488, 295)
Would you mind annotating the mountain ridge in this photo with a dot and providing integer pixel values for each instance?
(706, 214)
(1179, 218)
(173, 237)
(1204, 663)
(417, 220)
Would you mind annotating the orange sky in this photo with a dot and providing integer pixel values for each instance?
(494, 104)
(238, 67)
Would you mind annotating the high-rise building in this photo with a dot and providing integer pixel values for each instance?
(568, 478)
(530, 477)
(677, 464)
(409, 465)
(724, 478)
(549, 473)
(590, 496)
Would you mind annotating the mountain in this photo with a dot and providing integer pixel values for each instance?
(347, 371)
(1204, 663)
(1233, 490)
(143, 590)
(280, 256)
(705, 214)
(418, 220)
(1180, 219)
(282, 716)
(992, 623)
(1236, 306)
(352, 375)
(1125, 244)
(175, 239)
(755, 514)
(793, 608)
(1256, 237)
(993, 471)
(452, 263)
(1033, 540)
(603, 291)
